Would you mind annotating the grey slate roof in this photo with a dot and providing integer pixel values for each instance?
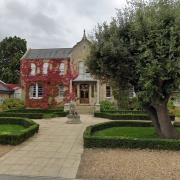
(47, 53)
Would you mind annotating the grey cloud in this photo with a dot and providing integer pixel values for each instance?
(57, 23)
(44, 22)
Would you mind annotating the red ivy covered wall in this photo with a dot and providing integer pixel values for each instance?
(50, 81)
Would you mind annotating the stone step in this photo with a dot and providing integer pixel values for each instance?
(85, 109)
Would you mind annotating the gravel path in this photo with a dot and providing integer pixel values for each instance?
(121, 164)
(4, 149)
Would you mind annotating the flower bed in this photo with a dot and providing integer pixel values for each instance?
(29, 128)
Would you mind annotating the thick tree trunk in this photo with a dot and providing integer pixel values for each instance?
(153, 116)
(166, 127)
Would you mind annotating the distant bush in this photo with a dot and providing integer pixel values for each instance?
(171, 106)
(12, 104)
(134, 104)
(107, 106)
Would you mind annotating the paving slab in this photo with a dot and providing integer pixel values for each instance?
(10, 177)
(54, 152)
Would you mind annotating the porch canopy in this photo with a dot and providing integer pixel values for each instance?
(84, 78)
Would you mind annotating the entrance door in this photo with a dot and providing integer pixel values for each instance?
(84, 93)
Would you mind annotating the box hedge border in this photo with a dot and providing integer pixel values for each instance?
(91, 141)
(35, 110)
(16, 138)
(34, 115)
(130, 116)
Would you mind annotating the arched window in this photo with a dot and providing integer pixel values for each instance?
(81, 67)
(33, 69)
(61, 69)
(35, 91)
(45, 68)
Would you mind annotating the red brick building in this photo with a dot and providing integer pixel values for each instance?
(52, 77)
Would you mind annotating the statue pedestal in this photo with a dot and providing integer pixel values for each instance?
(73, 119)
(73, 116)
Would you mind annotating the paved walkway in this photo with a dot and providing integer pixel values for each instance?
(54, 152)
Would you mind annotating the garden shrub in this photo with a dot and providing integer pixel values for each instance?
(16, 138)
(91, 141)
(134, 104)
(107, 106)
(12, 104)
(170, 105)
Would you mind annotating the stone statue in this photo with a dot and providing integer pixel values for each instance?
(73, 116)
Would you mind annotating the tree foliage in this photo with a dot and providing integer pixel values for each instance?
(11, 50)
(140, 48)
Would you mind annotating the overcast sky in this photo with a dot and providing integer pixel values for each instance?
(53, 23)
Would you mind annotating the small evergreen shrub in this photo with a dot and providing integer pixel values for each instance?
(12, 104)
(107, 106)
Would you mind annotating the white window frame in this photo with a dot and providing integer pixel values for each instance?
(33, 69)
(110, 91)
(45, 68)
(61, 69)
(61, 91)
(35, 91)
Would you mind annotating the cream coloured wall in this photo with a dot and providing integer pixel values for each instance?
(79, 53)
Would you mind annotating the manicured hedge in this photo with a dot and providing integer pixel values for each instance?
(126, 112)
(91, 141)
(23, 115)
(36, 110)
(16, 138)
(118, 116)
(34, 115)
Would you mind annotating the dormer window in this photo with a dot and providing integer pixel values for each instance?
(61, 69)
(33, 69)
(45, 68)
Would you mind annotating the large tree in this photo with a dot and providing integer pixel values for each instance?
(11, 50)
(140, 48)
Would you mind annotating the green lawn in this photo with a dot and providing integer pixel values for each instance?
(134, 132)
(10, 128)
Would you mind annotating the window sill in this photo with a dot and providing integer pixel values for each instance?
(35, 97)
